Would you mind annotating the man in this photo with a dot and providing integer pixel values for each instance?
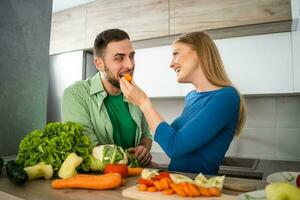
(98, 103)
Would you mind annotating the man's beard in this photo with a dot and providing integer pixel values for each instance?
(110, 77)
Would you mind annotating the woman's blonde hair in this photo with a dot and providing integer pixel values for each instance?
(212, 67)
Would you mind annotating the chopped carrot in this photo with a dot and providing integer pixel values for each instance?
(102, 182)
(215, 191)
(151, 189)
(145, 181)
(193, 189)
(142, 187)
(135, 171)
(186, 189)
(164, 183)
(178, 189)
(205, 192)
(168, 192)
(158, 185)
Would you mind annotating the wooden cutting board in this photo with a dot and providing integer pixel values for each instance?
(133, 193)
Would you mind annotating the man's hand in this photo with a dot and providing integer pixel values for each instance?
(142, 154)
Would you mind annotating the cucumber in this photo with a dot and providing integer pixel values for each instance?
(16, 173)
(1, 164)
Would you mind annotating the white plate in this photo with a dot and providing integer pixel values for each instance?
(255, 195)
(284, 176)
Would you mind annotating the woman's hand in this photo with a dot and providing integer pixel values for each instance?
(133, 93)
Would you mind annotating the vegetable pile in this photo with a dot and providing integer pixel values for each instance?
(111, 154)
(53, 144)
(152, 181)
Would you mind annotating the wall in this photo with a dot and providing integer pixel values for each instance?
(24, 65)
(272, 130)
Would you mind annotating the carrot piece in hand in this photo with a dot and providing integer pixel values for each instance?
(128, 77)
(214, 191)
(168, 192)
(101, 182)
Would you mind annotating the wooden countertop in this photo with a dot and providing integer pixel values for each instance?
(41, 189)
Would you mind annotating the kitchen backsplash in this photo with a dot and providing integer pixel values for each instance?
(272, 130)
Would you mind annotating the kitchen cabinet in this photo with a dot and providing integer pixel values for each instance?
(67, 30)
(141, 19)
(197, 15)
(156, 21)
(258, 64)
(153, 73)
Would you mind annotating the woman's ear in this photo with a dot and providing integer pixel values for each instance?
(99, 63)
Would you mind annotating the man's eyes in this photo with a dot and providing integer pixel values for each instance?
(121, 58)
(118, 58)
(131, 56)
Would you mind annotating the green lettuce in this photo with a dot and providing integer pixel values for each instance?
(53, 144)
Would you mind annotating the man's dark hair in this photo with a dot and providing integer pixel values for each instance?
(107, 36)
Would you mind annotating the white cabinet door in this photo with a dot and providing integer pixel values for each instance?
(153, 73)
(259, 64)
(296, 59)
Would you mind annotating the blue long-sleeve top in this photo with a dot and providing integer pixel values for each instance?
(199, 138)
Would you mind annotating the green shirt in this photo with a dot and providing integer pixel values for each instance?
(123, 125)
(83, 103)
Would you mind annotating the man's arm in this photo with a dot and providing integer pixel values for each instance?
(74, 109)
(142, 151)
(146, 142)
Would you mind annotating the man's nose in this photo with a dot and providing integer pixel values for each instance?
(129, 63)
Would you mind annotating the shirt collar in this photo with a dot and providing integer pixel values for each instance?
(96, 84)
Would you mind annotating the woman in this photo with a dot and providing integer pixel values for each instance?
(213, 113)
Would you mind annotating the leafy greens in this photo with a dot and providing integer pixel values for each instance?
(53, 144)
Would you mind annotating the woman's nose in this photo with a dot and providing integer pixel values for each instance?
(173, 63)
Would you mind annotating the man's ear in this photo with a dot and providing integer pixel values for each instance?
(99, 63)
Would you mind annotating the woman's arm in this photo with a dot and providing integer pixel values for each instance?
(136, 96)
(200, 128)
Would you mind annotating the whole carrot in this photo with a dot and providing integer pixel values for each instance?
(100, 182)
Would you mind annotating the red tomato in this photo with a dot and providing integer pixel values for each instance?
(298, 181)
(161, 176)
(112, 168)
(147, 182)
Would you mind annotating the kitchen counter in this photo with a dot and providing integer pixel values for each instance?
(262, 169)
(41, 189)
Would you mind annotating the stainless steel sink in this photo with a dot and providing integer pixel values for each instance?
(240, 163)
(240, 168)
